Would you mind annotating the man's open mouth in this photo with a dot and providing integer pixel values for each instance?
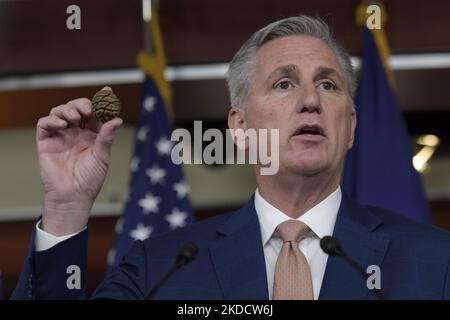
(312, 130)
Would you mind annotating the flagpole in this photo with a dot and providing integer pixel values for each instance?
(147, 18)
(152, 58)
(378, 34)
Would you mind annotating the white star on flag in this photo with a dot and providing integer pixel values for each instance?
(181, 188)
(134, 165)
(149, 104)
(141, 232)
(156, 174)
(176, 218)
(149, 203)
(164, 146)
(142, 134)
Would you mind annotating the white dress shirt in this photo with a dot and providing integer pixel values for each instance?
(45, 240)
(320, 219)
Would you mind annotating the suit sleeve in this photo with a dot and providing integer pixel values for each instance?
(56, 273)
(129, 279)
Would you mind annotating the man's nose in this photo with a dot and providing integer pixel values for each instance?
(309, 100)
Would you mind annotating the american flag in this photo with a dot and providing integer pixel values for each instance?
(158, 200)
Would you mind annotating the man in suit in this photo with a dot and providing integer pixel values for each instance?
(292, 76)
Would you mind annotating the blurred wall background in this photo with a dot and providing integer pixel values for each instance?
(43, 64)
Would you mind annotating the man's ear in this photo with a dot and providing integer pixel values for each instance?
(353, 128)
(238, 125)
(236, 119)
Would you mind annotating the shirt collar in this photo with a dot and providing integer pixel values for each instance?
(320, 219)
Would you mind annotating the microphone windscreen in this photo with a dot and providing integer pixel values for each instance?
(330, 245)
(187, 252)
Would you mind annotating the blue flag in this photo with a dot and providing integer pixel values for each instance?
(158, 201)
(378, 169)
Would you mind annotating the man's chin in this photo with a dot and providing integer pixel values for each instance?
(307, 168)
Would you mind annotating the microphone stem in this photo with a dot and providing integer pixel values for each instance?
(168, 274)
(355, 265)
(377, 292)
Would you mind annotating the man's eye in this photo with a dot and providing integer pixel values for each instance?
(328, 85)
(283, 85)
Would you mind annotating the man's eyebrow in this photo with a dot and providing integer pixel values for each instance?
(287, 70)
(322, 72)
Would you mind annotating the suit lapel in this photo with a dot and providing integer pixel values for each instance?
(238, 256)
(355, 226)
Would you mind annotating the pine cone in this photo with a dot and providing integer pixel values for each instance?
(105, 106)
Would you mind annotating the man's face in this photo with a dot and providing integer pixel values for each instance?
(298, 87)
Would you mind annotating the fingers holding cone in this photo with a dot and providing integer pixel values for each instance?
(105, 138)
(100, 116)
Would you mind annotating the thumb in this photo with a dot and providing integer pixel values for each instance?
(105, 137)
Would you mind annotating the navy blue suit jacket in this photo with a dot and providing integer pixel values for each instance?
(413, 258)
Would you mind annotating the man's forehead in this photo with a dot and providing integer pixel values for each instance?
(296, 51)
(292, 69)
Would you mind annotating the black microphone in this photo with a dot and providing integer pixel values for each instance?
(332, 247)
(187, 252)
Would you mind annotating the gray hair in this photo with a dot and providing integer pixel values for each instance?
(241, 67)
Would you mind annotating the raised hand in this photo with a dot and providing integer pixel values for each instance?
(74, 156)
